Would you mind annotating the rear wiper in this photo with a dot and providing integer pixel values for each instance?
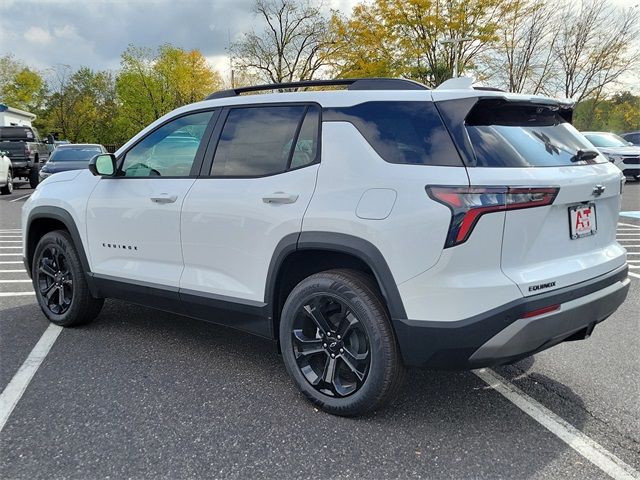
(584, 155)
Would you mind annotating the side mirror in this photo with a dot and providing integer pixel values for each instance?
(103, 165)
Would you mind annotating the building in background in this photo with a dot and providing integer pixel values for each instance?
(12, 116)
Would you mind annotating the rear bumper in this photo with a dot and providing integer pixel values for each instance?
(503, 336)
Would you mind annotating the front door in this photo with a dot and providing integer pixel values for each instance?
(133, 219)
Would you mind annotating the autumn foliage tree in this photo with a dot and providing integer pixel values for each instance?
(404, 37)
(153, 82)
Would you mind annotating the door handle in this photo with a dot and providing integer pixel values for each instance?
(280, 197)
(164, 198)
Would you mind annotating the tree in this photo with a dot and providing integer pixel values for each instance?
(595, 47)
(82, 106)
(153, 82)
(20, 86)
(522, 59)
(618, 113)
(405, 37)
(292, 45)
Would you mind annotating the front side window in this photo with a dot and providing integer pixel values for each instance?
(168, 151)
(259, 141)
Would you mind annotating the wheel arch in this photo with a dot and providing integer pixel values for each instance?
(298, 256)
(45, 219)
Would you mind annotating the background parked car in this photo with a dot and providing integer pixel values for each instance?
(26, 150)
(633, 137)
(73, 156)
(6, 176)
(619, 151)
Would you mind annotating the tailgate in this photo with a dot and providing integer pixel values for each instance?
(519, 142)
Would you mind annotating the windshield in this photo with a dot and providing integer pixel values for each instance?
(80, 154)
(507, 134)
(606, 140)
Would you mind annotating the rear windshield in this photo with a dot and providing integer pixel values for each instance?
(16, 133)
(523, 135)
(81, 154)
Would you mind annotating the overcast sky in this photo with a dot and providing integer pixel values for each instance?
(43, 33)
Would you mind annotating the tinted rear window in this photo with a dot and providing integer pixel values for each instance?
(523, 135)
(401, 132)
(16, 133)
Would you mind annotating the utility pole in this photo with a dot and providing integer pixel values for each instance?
(455, 41)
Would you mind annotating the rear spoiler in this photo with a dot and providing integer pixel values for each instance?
(454, 113)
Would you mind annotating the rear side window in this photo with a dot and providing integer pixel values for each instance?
(409, 133)
(505, 134)
(260, 141)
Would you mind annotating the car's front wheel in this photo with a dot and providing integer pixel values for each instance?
(59, 282)
(338, 344)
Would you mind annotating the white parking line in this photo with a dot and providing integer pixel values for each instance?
(581, 443)
(16, 294)
(10, 248)
(15, 281)
(628, 225)
(11, 262)
(634, 275)
(15, 389)
(13, 271)
(10, 254)
(19, 198)
(10, 241)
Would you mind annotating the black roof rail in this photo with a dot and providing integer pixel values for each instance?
(350, 83)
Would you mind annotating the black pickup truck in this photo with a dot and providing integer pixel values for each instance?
(26, 150)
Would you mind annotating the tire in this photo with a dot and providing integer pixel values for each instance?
(8, 188)
(33, 177)
(366, 370)
(57, 267)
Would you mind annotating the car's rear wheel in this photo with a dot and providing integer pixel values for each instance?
(59, 282)
(8, 187)
(338, 345)
(33, 178)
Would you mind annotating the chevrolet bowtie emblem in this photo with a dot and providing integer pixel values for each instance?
(598, 190)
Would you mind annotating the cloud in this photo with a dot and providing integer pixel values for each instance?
(95, 33)
(37, 35)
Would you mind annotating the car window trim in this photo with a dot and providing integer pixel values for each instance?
(197, 161)
(205, 171)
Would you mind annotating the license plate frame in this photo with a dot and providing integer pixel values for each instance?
(583, 221)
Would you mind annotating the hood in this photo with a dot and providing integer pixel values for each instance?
(622, 151)
(55, 167)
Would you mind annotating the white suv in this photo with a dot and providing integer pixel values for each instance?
(364, 230)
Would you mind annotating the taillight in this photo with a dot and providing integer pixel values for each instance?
(468, 204)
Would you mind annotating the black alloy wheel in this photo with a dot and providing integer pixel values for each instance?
(55, 280)
(338, 343)
(331, 346)
(60, 281)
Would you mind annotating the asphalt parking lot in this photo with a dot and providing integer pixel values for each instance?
(145, 394)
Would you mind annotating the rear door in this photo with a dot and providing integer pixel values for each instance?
(253, 195)
(524, 144)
